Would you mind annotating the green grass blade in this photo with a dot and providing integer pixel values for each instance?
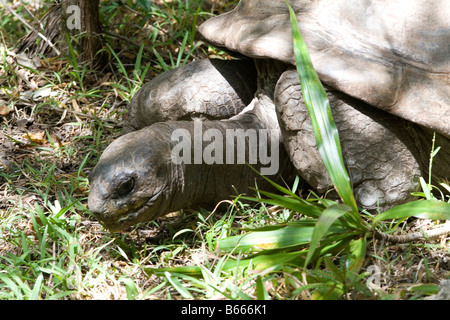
(190, 270)
(37, 288)
(424, 209)
(72, 54)
(161, 61)
(65, 209)
(43, 245)
(137, 65)
(178, 286)
(282, 189)
(318, 106)
(132, 291)
(83, 164)
(9, 288)
(182, 47)
(25, 248)
(261, 291)
(294, 204)
(120, 65)
(445, 186)
(327, 218)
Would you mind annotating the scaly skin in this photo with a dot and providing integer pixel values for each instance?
(137, 180)
(392, 55)
(381, 156)
(211, 89)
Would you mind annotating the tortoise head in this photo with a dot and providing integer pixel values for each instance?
(129, 182)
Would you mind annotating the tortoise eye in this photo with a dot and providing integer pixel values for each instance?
(125, 187)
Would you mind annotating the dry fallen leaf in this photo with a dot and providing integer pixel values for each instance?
(103, 80)
(84, 100)
(4, 110)
(36, 137)
(75, 105)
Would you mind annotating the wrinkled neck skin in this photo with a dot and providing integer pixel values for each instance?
(173, 183)
(180, 164)
(207, 177)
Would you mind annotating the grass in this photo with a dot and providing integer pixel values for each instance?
(52, 248)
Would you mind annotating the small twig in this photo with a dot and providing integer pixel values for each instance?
(84, 115)
(217, 206)
(30, 27)
(32, 15)
(429, 234)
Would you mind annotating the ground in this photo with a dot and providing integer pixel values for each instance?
(56, 118)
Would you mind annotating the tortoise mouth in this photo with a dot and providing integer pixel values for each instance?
(146, 212)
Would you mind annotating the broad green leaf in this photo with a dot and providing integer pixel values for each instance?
(424, 209)
(335, 242)
(181, 232)
(357, 254)
(259, 262)
(264, 261)
(132, 291)
(289, 236)
(190, 270)
(446, 186)
(261, 292)
(426, 189)
(318, 106)
(428, 288)
(326, 219)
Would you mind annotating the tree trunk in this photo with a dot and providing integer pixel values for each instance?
(77, 18)
(33, 44)
(80, 19)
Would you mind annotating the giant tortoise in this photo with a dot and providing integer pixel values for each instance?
(384, 64)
